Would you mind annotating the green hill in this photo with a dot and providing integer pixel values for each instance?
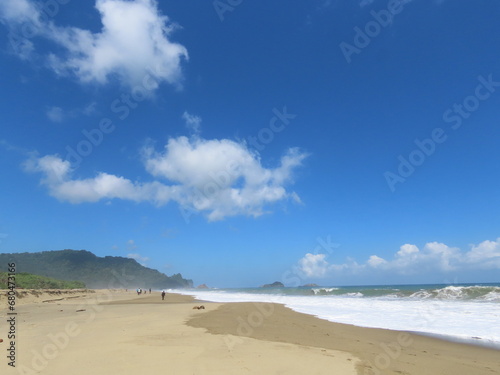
(29, 281)
(94, 271)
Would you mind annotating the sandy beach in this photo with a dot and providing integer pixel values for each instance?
(379, 351)
(119, 332)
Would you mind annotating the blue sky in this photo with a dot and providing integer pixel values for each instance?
(239, 143)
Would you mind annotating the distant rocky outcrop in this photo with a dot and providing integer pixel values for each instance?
(276, 284)
(310, 285)
(202, 286)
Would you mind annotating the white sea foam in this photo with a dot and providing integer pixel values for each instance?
(421, 294)
(491, 297)
(323, 290)
(356, 294)
(446, 316)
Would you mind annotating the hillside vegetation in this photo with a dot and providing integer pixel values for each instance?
(94, 271)
(29, 281)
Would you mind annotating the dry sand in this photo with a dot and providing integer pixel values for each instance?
(26, 296)
(130, 334)
(107, 332)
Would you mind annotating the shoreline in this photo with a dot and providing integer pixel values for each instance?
(116, 331)
(380, 350)
(26, 296)
(463, 320)
(472, 341)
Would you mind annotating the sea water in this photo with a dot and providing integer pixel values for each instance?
(469, 313)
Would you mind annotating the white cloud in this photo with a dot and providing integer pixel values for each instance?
(193, 123)
(448, 258)
(485, 255)
(19, 11)
(222, 176)
(411, 260)
(57, 177)
(133, 45)
(58, 114)
(142, 260)
(131, 245)
(406, 259)
(376, 261)
(314, 265)
(434, 257)
(22, 18)
(218, 177)
(407, 250)
(55, 114)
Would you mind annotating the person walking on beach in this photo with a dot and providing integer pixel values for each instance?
(162, 295)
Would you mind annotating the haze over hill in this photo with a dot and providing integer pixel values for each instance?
(94, 271)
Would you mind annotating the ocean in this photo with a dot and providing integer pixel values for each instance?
(464, 312)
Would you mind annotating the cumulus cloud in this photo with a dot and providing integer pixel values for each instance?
(376, 261)
(222, 176)
(314, 265)
(407, 250)
(57, 176)
(485, 255)
(410, 260)
(134, 44)
(218, 177)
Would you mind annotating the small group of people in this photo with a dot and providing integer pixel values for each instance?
(140, 291)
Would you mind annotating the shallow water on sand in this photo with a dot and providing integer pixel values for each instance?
(459, 312)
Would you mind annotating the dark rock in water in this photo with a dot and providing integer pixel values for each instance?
(276, 284)
(202, 286)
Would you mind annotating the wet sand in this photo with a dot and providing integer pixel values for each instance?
(380, 351)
